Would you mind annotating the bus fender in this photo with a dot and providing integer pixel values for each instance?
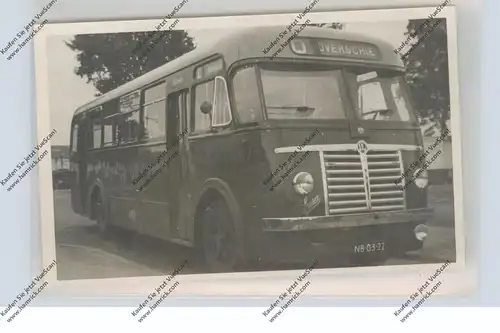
(225, 191)
(96, 185)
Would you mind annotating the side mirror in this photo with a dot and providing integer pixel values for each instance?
(206, 107)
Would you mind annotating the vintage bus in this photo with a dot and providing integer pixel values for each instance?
(250, 159)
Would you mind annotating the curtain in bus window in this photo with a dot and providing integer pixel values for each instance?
(221, 111)
(97, 129)
(379, 96)
(108, 131)
(371, 97)
(203, 92)
(128, 127)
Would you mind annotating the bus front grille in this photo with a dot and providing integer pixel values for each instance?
(362, 182)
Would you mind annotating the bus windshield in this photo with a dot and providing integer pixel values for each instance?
(302, 94)
(314, 93)
(379, 95)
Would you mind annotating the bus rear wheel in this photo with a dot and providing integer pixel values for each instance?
(101, 216)
(220, 252)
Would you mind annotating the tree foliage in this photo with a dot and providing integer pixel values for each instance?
(427, 71)
(110, 60)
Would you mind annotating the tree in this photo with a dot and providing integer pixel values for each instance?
(427, 70)
(110, 60)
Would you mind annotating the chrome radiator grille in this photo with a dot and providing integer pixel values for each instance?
(359, 182)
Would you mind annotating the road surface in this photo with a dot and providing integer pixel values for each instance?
(83, 254)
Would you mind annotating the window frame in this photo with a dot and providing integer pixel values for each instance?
(75, 128)
(94, 114)
(412, 122)
(192, 118)
(116, 118)
(343, 94)
(232, 95)
(142, 111)
(220, 77)
(94, 129)
(113, 142)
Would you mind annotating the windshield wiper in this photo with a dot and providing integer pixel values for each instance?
(383, 112)
(302, 108)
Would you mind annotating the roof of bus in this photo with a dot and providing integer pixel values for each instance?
(248, 43)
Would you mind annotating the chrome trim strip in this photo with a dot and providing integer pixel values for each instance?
(347, 146)
(366, 179)
(345, 221)
(333, 187)
(325, 182)
(400, 157)
(334, 211)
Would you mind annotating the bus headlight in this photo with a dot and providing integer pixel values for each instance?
(303, 183)
(421, 178)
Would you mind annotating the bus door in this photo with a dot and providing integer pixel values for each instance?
(176, 102)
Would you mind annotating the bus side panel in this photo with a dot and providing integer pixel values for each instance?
(115, 168)
(155, 212)
(239, 160)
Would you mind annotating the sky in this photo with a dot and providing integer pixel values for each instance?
(67, 91)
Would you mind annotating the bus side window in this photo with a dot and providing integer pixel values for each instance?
(128, 126)
(202, 93)
(221, 113)
(97, 132)
(109, 128)
(246, 96)
(154, 112)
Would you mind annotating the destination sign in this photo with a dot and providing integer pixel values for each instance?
(130, 102)
(336, 48)
(342, 48)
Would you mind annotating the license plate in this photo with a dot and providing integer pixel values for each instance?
(370, 247)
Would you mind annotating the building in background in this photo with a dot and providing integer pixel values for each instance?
(61, 174)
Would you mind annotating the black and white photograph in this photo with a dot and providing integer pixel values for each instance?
(251, 146)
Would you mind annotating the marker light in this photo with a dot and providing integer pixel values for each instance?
(421, 178)
(303, 183)
(421, 231)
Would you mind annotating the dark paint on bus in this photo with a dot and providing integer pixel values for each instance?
(231, 163)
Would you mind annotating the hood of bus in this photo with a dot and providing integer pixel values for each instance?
(290, 149)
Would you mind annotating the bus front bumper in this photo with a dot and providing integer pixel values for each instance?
(304, 239)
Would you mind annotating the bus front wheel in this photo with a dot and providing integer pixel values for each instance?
(219, 242)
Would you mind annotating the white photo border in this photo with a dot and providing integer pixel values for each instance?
(400, 280)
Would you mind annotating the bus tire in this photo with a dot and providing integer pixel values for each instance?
(218, 243)
(101, 215)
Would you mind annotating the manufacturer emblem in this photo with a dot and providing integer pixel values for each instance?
(361, 130)
(362, 147)
(309, 205)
